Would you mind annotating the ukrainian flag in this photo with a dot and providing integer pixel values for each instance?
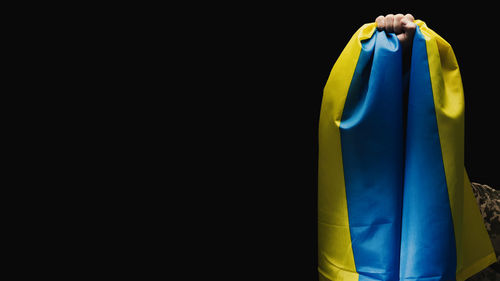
(394, 200)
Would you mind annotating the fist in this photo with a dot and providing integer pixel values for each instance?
(402, 25)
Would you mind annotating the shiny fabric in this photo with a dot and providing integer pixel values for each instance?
(394, 201)
(428, 240)
(371, 132)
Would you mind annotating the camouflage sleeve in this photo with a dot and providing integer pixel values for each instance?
(488, 200)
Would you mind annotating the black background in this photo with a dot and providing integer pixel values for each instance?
(271, 64)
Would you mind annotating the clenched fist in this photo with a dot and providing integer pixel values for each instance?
(404, 28)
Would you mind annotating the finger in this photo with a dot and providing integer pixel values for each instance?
(380, 22)
(389, 23)
(397, 23)
(409, 17)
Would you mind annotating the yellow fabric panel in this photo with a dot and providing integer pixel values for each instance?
(335, 256)
(448, 103)
(449, 106)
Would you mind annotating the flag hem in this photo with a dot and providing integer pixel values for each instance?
(476, 267)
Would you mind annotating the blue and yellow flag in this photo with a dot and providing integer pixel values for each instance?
(394, 200)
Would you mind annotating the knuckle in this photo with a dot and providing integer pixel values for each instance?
(409, 17)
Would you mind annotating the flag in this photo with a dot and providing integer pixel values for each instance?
(394, 199)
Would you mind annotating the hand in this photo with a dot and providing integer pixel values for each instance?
(402, 26)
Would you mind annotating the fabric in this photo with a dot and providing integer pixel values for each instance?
(394, 200)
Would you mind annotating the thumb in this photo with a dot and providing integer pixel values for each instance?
(409, 27)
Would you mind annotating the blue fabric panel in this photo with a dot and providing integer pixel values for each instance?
(428, 250)
(372, 139)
